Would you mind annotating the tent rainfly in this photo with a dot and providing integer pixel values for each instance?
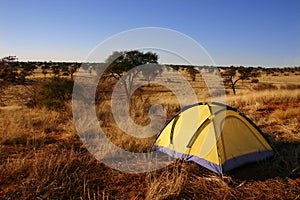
(213, 135)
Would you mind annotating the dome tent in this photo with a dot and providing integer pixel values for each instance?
(213, 135)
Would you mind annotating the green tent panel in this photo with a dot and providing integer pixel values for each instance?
(213, 135)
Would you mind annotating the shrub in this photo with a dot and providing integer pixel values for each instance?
(290, 87)
(8, 74)
(55, 93)
(264, 86)
(254, 80)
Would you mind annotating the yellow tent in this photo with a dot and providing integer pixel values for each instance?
(213, 135)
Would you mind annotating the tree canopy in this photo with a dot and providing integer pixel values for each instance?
(234, 74)
(121, 62)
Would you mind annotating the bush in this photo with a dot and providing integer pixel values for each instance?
(255, 80)
(265, 86)
(55, 93)
(290, 87)
(8, 73)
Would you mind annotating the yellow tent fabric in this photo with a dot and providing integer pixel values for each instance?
(213, 135)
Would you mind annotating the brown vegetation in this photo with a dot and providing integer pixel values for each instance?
(41, 156)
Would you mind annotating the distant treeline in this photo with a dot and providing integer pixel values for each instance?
(86, 65)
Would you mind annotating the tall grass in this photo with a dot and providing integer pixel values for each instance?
(41, 156)
(47, 174)
(167, 184)
(22, 125)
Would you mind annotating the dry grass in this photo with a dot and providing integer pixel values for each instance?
(276, 112)
(20, 125)
(50, 173)
(289, 113)
(42, 158)
(167, 184)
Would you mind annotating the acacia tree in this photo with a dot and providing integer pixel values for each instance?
(151, 72)
(45, 69)
(2, 67)
(2, 84)
(192, 72)
(26, 69)
(9, 69)
(233, 75)
(55, 70)
(72, 69)
(121, 62)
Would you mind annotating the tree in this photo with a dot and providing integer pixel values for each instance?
(2, 84)
(10, 59)
(8, 69)
(25, 70)
(175, 67)
(56, 70)
(121, 62)
(45, 70)
(151, 72)
(72, 69)
(233, 75)
(192, 72)
(2, 67)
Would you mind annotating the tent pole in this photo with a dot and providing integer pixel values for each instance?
(216, 137)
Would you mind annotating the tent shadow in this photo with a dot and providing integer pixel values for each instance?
(285, 163)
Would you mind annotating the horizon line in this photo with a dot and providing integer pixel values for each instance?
(202, 65)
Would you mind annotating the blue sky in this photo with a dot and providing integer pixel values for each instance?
(234, 32)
